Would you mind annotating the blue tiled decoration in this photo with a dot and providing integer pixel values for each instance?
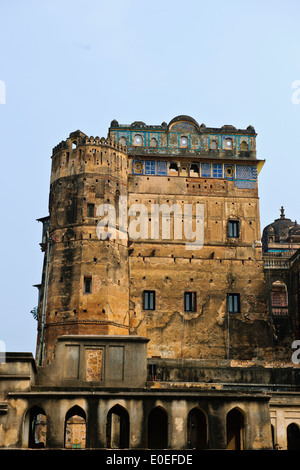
(149, 167)
(217, 170)
(206, 170)
(183, 127)
(162, 168)
(246, 172)
(244, 184)
(244, 176)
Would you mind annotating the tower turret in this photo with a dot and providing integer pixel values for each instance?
(85, 280)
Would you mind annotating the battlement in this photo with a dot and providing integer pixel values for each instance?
(80, 154)
(79, 139)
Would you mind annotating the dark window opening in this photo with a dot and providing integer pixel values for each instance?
(91, 210)
(87, 287)
(190, 302)
(71, 211)
(157, 429)
(197, 430)
(233, 228)
(117, 428)
(149, 300)
(234, 303)
(152, 372)
(235, 430)
(173, 166)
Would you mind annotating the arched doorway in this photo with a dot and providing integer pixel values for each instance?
(235, 430)
(293, 437)
(75, 428)
(158, 429)
(197, 429)
(279, 301)
(36, 427)
(117, 428)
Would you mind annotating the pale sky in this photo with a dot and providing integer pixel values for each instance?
(74, 64)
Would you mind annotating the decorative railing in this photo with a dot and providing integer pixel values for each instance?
(280, 311)
(276, 263)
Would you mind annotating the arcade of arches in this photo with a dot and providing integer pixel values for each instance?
(157, 430)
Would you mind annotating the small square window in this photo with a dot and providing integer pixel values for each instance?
(234, 304)
(190, 302)
(233, 228)
(149, 300)
(87, 285)
(91, 210)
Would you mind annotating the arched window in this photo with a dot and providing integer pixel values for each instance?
(35, 428)
(173, 167)
(213, 144)
(122, 141)
(75, 428)
(158, 429)
(153, 142)
(228, 143)
(117, 429)
(244, 146)
(138, 140)
(194, 169)
(235, 430)
(279, 298)
(229, 171)
(197, 429)
(280, 310)
(293, 437)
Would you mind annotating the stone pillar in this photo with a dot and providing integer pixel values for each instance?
(55, 425)
(137, 438)
(92, 431)
(178, 425)
(281, 431)
(216, 426)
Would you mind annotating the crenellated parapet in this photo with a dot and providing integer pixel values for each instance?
(80, 154)
(78, 138)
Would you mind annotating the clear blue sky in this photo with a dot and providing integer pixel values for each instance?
(73, 64)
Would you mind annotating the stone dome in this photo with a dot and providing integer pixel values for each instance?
(281, 231)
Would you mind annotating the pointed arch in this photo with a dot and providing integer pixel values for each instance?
(197, 429)
(35, 428)
(75, 428)
(117, 428)
(293, 437)
(235, 429)
(157, 428)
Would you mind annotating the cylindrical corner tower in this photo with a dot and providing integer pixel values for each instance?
(85, 287)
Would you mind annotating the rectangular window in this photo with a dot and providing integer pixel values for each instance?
(190, 302)
(149, 168)
(234, 304)
(149, 300)
(233, 228)
(206, 170)
(91, 210)
(87, 285)
(217, 170)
